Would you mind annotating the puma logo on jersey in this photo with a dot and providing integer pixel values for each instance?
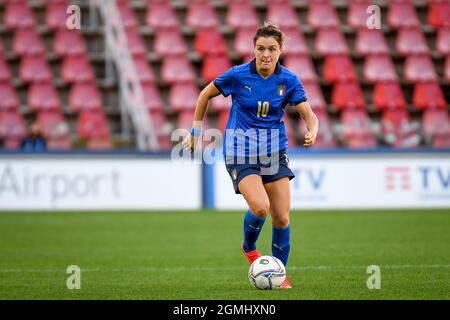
(248, 87)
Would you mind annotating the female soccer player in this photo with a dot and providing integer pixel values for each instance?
(260, 90)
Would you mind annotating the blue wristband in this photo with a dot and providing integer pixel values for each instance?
(195, 132)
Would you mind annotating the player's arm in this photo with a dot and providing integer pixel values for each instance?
(312, 123)
(210, 91)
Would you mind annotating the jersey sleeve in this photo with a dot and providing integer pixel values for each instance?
(298, 94)
(226, 82)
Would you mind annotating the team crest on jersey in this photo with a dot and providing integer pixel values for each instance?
(281, 90)
(234, 174)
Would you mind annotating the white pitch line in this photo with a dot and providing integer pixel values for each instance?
(183, 269)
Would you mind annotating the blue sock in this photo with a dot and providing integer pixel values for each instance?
(281, 243)
(252, 228)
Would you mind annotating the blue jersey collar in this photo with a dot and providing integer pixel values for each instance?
(253, 67)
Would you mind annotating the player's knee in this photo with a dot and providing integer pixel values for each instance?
(281, 222)
(260, 208)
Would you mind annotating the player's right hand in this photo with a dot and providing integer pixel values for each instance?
(190, 143)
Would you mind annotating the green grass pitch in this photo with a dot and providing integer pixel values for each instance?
(196, 255)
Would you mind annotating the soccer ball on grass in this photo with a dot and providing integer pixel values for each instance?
(267, 273)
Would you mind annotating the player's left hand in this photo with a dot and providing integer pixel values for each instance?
(310, 139)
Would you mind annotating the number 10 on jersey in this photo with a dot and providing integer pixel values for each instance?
(263, 109)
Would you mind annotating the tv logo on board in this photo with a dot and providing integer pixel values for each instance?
(309, 183)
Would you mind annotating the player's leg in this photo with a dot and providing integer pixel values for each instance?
(251, 187)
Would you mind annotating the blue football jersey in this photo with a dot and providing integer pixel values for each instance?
(255, 126)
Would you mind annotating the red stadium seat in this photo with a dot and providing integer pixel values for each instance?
(161, 126)
(162, 15)
(185, 118)
(242, 15)
(419, 68)
(371, 42)
(428, 95)
(379, 68)
(357, 14)
(446, 69)
(439, 14)
(411, 41)
(402, 15)
(222, 120)
(397, 129)
(77, 69)
(243, 42)
(27, 42)
(2, 50)
(92, 124)
(283, 15)
(201, 16)
(146, 73)
(388, 95)
(9, 99)
(435, 123)
(99, 143)
(347, 95)
(183, 96)
(330, 42)
(5, 73)
(68, 43)
(322, 15)
(292, 139)
(18, 15)
(210, 42)
(295, 43)
(314, 95)
(127, 15)
(135, 43)
(443, 41)
(53, 125)
(441, 141)
(338, 68)
(356, 129)
(221, 103)
(12, 125)
(214, 66)
(152, 97)
(43, 96)
(177, 69)
(56, 15)
(325, 137)
(302, 66)
(84, 97)
(34, 68)
(169, 43)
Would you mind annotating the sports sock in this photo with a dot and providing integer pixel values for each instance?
(281, 243)
(252, 228)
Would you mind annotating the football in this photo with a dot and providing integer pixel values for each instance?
(267, 273)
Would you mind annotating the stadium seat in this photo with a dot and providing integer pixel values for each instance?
(357, 14)
(435, 123)
(43, 96)
(443, 41)
(18, 15)
(152, 97)
(2, 49)
(221, 103)
(185, 118)
(330, 42)
(183, 96)
(177, 69)
(292, 139)
(68, 43)
(243, 42)
(325, 137)
(402, 15)
(314, 95)
(242, 15)
(222, 120)
(441, 141)
(169, 43)
(419, 68)
(356, 130)
(99, 143)
(379, 68)
(12, 125)
(283, 15)
(214, 66)
(127, 15)
(201, 16)
(302, 66)
(27, 42)
(162, 16)
(146, 73)
(428, 95)
(347, 95)
(5, 73)
(34, 68)
(439, 14)
(397, 129)
(76, 69)
(92, 124)
(371, 42)
(54, 127)
(295, 43)
(84, 97)
(135, 43)
(446, 69)
(161, 127)
(411, 41)
(322, 15)
(9, 99)
(338, 68)
(210, 42)
(388, 95)
(56, 15)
